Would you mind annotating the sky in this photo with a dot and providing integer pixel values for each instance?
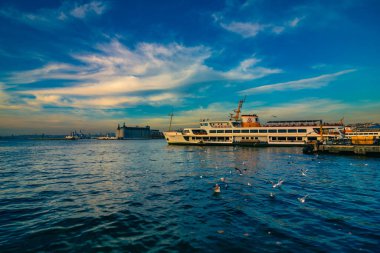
(89, 65)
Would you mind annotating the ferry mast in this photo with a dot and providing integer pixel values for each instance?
(237, 111)
(171, 119)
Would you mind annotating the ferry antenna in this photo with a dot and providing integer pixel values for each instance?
(171, 119)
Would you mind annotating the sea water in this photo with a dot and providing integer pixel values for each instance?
(147, 196)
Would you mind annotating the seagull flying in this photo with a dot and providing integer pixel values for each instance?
(303, 172)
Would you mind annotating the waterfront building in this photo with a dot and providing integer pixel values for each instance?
(136, 132)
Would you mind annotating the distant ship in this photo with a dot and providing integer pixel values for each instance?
(72, 136)
(247, 131)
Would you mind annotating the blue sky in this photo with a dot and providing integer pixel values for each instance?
(89, 65)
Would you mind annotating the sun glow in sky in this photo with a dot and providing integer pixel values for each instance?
(89, 65)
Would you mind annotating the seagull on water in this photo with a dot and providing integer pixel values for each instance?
(240, 172)
(216, 188)
(302, 200)
(278, 184)
(303, 172)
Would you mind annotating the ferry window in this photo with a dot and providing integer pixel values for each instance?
(205, 124)
(263, 131)
(282, 130)
(254, 131)
(228, 131)
(245, 131)
(302, 130)
(292, 130)
(274, 138)
(299, 138)
(236, 131)
(199, 131)
(212, 131)
(220, 131)
(272, 130)
(282, 138)
(291, 138)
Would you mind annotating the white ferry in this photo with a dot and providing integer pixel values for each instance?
(247, 131)
(349, 132)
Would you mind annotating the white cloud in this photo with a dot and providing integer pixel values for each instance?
(244, 29)
(252, 29)
(48, 18)
(308, 83)
(81, 11)
(117, 71)
(295, 22)
(247, 70)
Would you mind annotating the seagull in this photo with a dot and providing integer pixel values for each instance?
(249, 184)
(200, 176)
(278, 184)
(217, 188)
(302, 200)
(222, 179)
(303, 172)
(240, 172)
(272, 195)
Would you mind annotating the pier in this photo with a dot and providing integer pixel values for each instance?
(367, 150)
(350, 149)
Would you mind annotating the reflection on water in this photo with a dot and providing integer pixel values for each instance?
(135, 196)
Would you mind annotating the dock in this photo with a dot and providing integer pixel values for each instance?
(366, 150)
(350, 149)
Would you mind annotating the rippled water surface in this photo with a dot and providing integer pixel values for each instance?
(140, 196)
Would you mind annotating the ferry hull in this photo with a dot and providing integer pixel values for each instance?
(176, 138)
(261, 144)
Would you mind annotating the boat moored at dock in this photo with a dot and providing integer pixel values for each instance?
(247, 131)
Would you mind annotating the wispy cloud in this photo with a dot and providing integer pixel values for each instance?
(117, 75)
(81, 11)
(246, 30)
(308, 83)
(295, 22)
(47, 18)
(252, 29)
